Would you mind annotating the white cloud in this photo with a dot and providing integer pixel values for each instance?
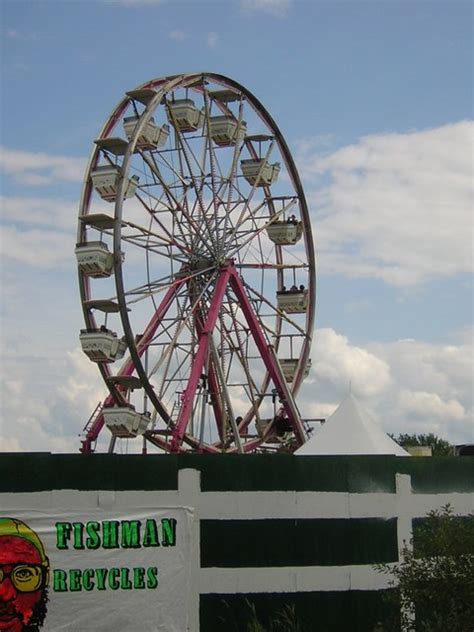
(341, 364)
(8, 444)
(278, 8)
(178, 35)
(49, 410)
(39, 231)
(397, 207)
(34, 211)
(39, 169)
(422, 404)
(212, 39)
(36, 247)
(51, 396)
(409, 386)
(82, 388)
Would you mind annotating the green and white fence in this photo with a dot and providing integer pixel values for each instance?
(269, 530)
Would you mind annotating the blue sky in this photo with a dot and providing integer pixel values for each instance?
(375, 101)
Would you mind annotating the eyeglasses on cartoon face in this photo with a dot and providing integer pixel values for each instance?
(25, 577)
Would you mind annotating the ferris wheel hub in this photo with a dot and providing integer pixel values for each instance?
(199, 264)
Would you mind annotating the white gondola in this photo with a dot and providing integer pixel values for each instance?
(288, 367)
(285, 233)
(106, 180)
(152, 135)
(125, 422)
(293, 301)
(95, 259)
(102, 345)
(259, 172)
(226, 131)
(184, 115)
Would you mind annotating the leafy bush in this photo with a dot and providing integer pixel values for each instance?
(435, 580)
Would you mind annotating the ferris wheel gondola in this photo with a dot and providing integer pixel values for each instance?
(198, 285)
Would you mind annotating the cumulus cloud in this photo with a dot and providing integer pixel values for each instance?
(48, 409)
(409, 386)
(421, 404)
(278, 8)
(40, 169)
(34, 211)
(51, 396)
(40, 231)
(345, 366)
(44, 248)
(397, 207)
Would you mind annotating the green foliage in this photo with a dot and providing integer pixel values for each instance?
(435, 580)
(439, 446)
(283, 621)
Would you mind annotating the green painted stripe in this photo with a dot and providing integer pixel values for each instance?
(25, 472)
(285, 472)
(43, 472)
(320, 542)
(352, 611)
(439, 475)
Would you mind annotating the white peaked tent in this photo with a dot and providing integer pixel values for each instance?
(351, 430)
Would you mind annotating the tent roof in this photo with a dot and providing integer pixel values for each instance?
(351, 430)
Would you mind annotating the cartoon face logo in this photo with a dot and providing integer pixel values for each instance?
(24, 575)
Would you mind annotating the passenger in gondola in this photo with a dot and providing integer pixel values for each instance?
(293, 288)
(282, 425)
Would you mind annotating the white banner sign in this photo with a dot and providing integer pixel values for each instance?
(88, 569)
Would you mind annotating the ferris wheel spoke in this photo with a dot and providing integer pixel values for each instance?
(271, 266)
(187, 153)
(258, 230)
(182, 322)
(174, 202)
(151, 288)
(218, 192)
(269, 357)
(168, 237)
(128, 367)
(253, 189)
(232, 176)
(239, 350)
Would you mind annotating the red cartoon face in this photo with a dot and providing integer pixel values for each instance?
(21, 582)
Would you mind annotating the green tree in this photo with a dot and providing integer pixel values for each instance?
(439, 447)
(435, 579)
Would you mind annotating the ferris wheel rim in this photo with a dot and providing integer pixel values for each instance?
(166, 85)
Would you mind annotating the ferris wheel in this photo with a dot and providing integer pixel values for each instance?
(196, 272)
